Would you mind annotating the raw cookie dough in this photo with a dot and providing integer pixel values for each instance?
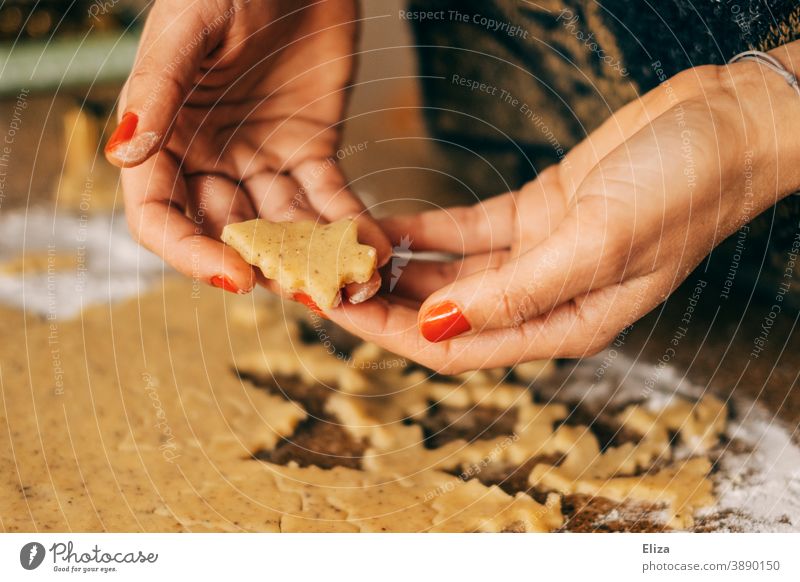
(306, 256)
(133, 418)
(41, 262)
(386, 396)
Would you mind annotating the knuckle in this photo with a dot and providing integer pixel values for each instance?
(509, 311)
(152, 77)
(144, 70)
(447, 369)
(467, 220)
(588, 335)
(597, 336)
(527, 336)
(610, 238)
(616, 254)
(584, 346)
(496, 260)
(448, 361)
(599, 342)
(447, 365)
(509, 307)
(447, 271)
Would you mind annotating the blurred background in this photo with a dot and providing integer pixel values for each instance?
(62, 66)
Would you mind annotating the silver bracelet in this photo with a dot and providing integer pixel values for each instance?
(771, 63)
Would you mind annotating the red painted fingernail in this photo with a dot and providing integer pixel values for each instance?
(442, 322)
(308, 302)
(124, 131)
(224, 282)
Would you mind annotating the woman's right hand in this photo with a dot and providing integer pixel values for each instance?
(232, 112)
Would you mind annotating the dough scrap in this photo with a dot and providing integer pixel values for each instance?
(682, 486)
(305, 256)
(163, 439)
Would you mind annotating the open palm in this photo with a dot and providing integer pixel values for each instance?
(239, 109)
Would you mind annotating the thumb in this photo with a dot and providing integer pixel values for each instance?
(578, 257)
(174, 43)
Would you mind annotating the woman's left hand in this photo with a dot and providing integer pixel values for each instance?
(559, 267)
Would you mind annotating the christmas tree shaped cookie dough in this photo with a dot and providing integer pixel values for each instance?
(306, 256)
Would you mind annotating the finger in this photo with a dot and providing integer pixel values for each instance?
(278, 197)
(357, 293)
(169, 57)
(465, 230)
(418, 279)
(576, 329)
(327, 191)
(404, 301)
(155, 203)
(271, 285)
(215, 201)
(517, 219)
(581, 255)
(581, 327)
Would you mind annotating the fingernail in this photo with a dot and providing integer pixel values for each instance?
(308, 302)
(124, 131)
(363, 291)
(442, 322)
(360, 296)
(223, 282)
(127, 147)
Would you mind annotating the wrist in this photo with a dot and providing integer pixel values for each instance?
(769, 113)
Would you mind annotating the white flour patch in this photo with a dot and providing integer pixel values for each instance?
(761, 488)
(109, 265)
(757, 483)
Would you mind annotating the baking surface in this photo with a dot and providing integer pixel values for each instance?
(182, 410)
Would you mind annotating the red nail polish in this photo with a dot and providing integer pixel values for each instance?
(308, 302)
(223, 282)
(442, 322)
(124, 131)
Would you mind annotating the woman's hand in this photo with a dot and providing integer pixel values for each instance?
(232, 111)
(558, 268)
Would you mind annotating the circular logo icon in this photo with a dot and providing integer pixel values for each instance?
(31, 555)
